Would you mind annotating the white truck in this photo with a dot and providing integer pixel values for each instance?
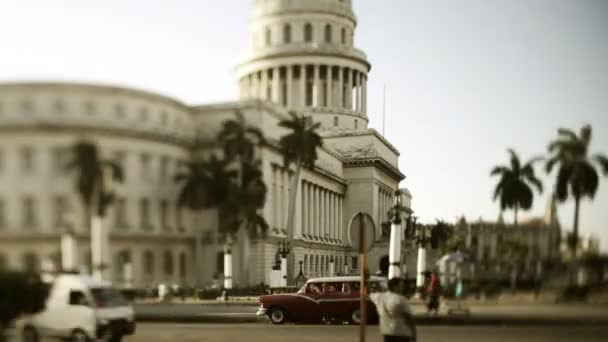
(80, 308)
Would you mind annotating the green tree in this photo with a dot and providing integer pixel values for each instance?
(441, 233)
(247, 195)
(94, 180)
(20, 293)
(577, 174)
(513, 189)
(233, 185)
(299, 147)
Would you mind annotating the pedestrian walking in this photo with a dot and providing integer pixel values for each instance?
(396, 320)
(433, 292)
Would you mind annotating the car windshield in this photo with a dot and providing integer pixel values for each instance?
(108, 297)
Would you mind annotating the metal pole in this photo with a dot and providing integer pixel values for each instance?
(362, 289)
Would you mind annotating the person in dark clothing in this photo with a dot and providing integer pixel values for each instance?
(433, 292)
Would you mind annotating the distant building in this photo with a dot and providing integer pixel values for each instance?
(540, 236)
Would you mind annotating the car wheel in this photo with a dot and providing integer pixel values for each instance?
(29, 334)
(79, 336)
(355, 317)
(115, 338)
(277, 316)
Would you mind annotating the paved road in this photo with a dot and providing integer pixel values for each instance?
(148, 332)
(222, 313)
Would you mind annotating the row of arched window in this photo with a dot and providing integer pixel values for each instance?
(328, 35)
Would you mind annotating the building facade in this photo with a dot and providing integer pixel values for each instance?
(302, 58)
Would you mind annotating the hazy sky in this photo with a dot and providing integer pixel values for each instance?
(465, 79)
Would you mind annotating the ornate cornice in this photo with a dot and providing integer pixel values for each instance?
(375, 162)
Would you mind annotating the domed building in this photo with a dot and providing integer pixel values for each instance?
(302, 58)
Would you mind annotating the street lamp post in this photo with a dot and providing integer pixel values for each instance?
(422, 237)
(396, 219)
(284, 252)
(69, 251)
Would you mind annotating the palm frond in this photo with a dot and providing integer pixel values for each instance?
(515, 162)
(585, 136)
(567, 133)
(499, 170)
(603, 162)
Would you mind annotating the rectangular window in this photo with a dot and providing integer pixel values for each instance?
(29, 213)
(164, 212)
(355, 262)
(144, 161)
(27, 159)
(60, 159)
(121, 214)
(144, 211)
(60, 212)
(220, 263)
(2, 214)
(164, 168)
(120, 159)
(178, 219)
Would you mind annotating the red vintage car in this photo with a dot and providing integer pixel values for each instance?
(332, 299)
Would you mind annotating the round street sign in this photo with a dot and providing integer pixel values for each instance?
(368, 228)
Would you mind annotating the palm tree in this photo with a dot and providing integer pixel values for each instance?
(299, 147)
(205, 184)
(244, 194)
(239, 141)
(577, 174)
(94, 180)
(513, 189)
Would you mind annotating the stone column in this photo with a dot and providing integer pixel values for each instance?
(317, 206)
(364, 97)
(421, 267)
(327, 213)
(276, 83)
(311, 207)
(323, 213)
(394, 269)
(289, 94)
(69, 253)
(255, 81)
(303, 85)
(305, 209)
(340, 87)
(285, 196)
(349, 89)
(340, 218)
(358, 91)
(335, 217)
(330, 216)
(264, 90)
(329, 85)
(227, 267)
(316, 100)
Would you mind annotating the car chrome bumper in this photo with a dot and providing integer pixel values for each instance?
(261, 312)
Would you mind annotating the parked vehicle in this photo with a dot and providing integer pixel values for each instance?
(80, 309)
(332, 299)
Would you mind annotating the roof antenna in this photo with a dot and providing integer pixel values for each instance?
(383, 108)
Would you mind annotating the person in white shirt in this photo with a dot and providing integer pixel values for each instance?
(396, 320)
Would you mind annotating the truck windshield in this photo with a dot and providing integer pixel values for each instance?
(108, 297)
